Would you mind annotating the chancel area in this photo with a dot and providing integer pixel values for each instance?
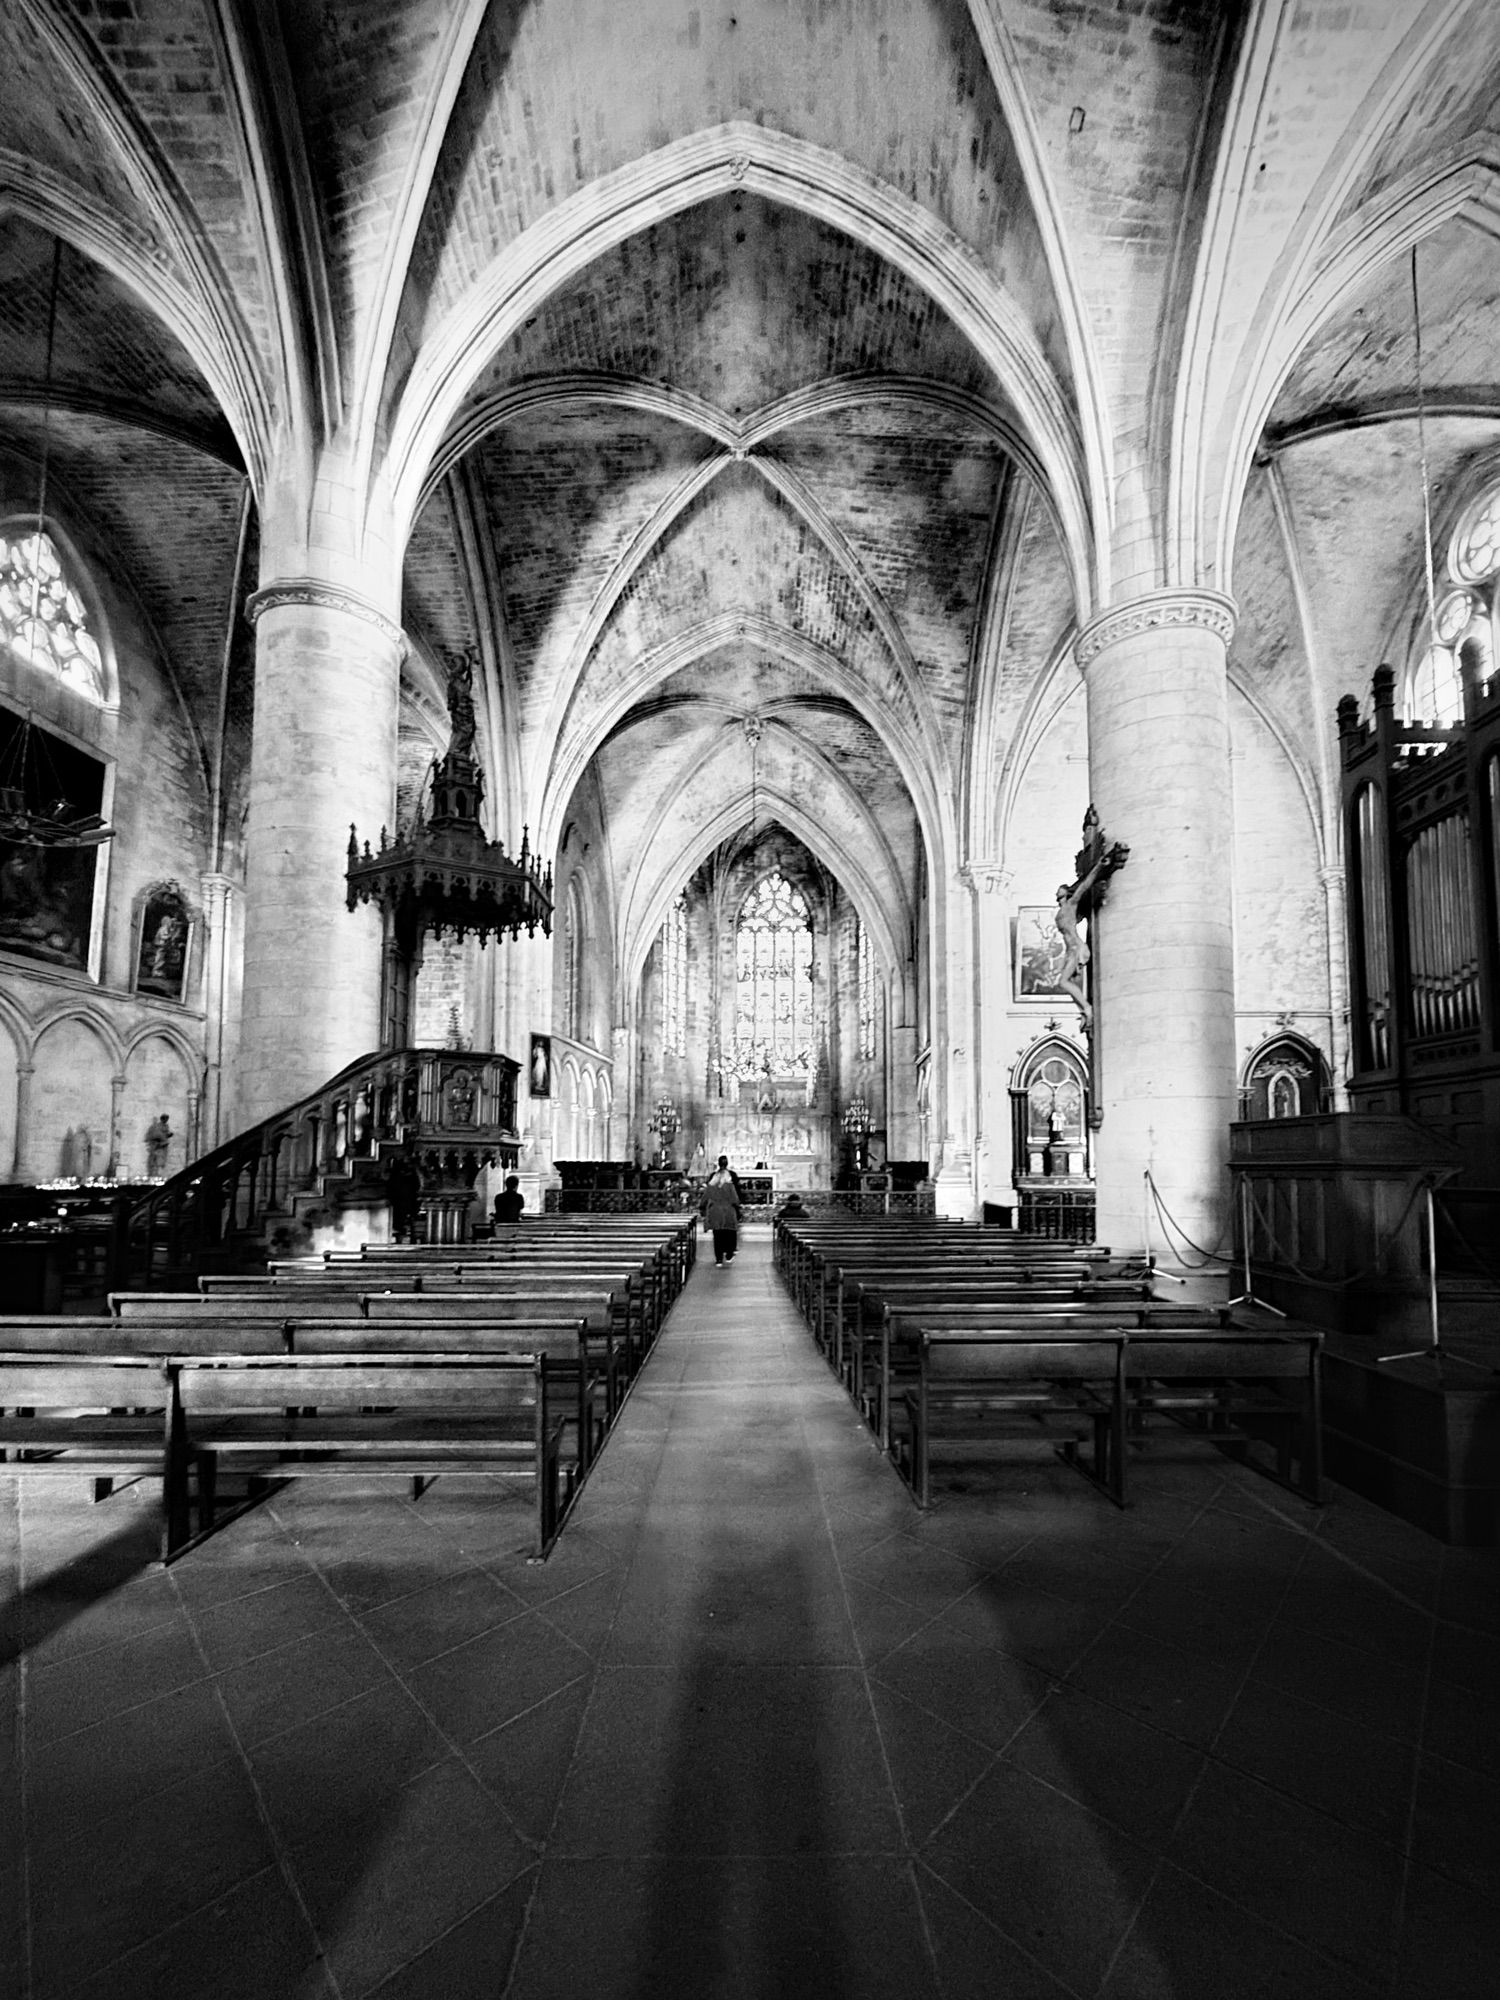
(902, 594)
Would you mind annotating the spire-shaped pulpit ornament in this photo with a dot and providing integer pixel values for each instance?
(1077, 902)
(445, 875)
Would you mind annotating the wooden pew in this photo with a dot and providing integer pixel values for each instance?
(970, 1387)
(102, 1417)
(362, 1415)
(1228, 1386)
(881, 1358)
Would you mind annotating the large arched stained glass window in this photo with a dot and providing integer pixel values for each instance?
(674, 978)
(42, 617)
(773, 1021)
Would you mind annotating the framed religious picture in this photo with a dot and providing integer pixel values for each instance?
(164, 944)
(47, 890)
(1040, 952)
(541, 1065)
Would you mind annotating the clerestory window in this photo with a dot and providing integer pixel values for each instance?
(1466, 611)
(42, 616)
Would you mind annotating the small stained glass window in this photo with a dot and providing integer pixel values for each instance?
(42, 617)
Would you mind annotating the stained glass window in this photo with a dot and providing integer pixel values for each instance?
(773, 1023)
(42, 617)
(674, 978)
(1465, 616)
(864, 962)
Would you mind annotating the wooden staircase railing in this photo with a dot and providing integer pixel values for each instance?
(457, 1106)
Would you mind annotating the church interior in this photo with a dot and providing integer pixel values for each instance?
(903, 592)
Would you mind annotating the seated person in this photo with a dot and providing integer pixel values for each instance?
(508, 1205)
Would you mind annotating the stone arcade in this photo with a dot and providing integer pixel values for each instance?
(842, 445)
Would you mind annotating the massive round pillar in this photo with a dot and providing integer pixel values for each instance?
(327, 688)
(1154, 671)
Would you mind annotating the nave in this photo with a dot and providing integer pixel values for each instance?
(757, 1727)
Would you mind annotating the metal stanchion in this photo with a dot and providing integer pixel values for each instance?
(1248, 1296)
(1434, 1350)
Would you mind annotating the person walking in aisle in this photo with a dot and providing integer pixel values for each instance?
(721, 1211)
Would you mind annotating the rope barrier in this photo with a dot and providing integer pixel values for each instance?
(1170, 1223)
(1285, 1259)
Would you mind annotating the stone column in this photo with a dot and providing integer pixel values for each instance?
(1155, 676)
(992, 886)
(955, 1020)
(327, 686)
(221, 896)
(116, 1128)
(21, 1150)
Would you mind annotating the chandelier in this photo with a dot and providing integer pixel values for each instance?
(33, 812)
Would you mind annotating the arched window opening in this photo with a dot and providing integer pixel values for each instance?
(1052, 1134)
(43, 618)
(773, 1024)
(674, 978)
(573, 941)
(864, 964)
(1288, 1078)
(1463, 617)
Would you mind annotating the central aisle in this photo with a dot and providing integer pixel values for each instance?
(729, 1823)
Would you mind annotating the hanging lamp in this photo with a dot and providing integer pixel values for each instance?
(33, 810)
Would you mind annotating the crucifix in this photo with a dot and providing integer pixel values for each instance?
(1079, 901)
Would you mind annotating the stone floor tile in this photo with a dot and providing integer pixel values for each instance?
(1342, 1768)
(1134, 1776)
(251, 1944)
(243, 1628)
(105, 1887)
(439, 1616)
(384, 1885)
(102, 1773)
(765, 1760)
(982, 1693)
(472, 1960)
(346, 1762)
(279, 1691)
(1457, 1823)
(975, 1960)
(1323, 1883)
(741, 1927)
(932, 1767)
(1043, 1870)
(1450, 1940)
(76, 1693)
(525, 1762)
(1181, 1693)
(1190, 1941)
(475, 1687)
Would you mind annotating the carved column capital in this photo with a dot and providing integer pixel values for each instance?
(987, 878)
(1158, 610)
(311, 593)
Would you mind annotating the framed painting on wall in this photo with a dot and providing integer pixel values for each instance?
(164, 946)
(47, 893)
(541, 1065)
(1040, 952)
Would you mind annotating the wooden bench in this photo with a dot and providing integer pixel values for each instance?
(102, 1417)
(362, 1415)
(1231, 1387)
(971, 1388)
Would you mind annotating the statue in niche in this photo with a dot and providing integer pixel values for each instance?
(461, 707)
(78, 1152)
(461, 1097)
(1095, 862)
(158, 1146)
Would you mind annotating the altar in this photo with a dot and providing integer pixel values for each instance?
(794, 1145)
